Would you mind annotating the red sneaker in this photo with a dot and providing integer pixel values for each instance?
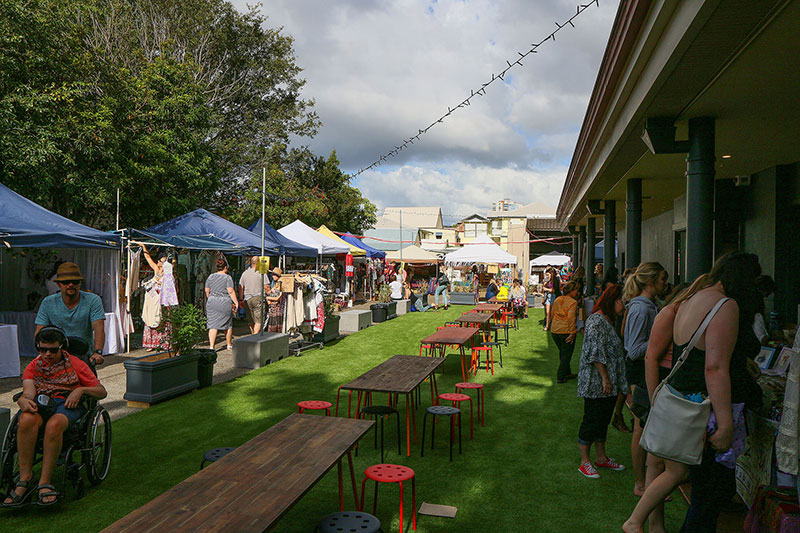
(611, 464)
(588, 470)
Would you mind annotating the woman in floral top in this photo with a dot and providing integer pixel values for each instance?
(601, 377)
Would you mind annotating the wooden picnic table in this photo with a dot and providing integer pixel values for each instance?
(505, 303)
(453, 337)
(488, 308)
(400, 374)
(253, 486)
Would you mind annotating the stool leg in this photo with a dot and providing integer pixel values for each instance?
(375, 503)
(301, 410)
(327, 411)
(471, 435)
(397, 417)
(363, 490)
(413, 504)
(491, 355)
(433, 430)
(459, 433)
(401, 505)
(375, 434)
(202, 464)
(381, 439)
(452, 420)
(480, 404)
(422, 446)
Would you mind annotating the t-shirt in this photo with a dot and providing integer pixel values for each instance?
(76, 322)
(564, 313)
(85, 375)
(250, 281)
(397, 290)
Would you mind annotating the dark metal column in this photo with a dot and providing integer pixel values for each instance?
(609, 234)
(589, 259)
(581, 244)
(700, 198)
(633, 224)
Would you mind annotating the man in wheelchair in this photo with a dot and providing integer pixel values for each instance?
(52, 387)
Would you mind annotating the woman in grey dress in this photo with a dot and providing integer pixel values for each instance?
(219, 310)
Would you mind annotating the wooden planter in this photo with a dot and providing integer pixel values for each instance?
(331, 330)
(154, 378)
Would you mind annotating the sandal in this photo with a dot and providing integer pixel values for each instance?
(618, 422)
(18, 500)
(48, 494)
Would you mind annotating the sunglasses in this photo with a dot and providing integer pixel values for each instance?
(42, 349)
(70, 282)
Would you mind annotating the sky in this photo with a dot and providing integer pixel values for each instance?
(379, 71)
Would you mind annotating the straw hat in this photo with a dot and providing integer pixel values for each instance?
(277, 271)
(68, 271)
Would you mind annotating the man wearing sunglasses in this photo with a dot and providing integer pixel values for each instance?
(78, 313)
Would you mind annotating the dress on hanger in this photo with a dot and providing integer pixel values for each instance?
(169, 295)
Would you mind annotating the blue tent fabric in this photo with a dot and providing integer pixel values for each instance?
(200, 222)
(371, 252)
(291, 247)
(193, 242)
(24, 223)
(598, 250)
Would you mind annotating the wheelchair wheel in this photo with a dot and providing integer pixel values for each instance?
(97, 456)
(9, 466)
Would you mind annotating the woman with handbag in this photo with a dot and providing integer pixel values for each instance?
(601, 377)
(718, 308)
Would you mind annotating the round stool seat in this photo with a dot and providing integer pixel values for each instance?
(380, 410)
(314, 404)
(350, 521)
(442, 410)
(389, 473)
(469, 385)
(216, 453)
(454, 397)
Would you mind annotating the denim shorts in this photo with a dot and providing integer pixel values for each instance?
(550, 298)
(73, 415)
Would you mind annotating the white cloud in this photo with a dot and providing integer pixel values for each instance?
(381, 70)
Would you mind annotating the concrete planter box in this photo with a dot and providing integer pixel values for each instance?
(403, 307)
(353, 321)
(534, 301)
(154, 378)
(392, 312)
(255, 351)
(331, 330)
(462, 298)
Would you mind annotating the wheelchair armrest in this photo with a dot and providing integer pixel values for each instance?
(16, 397)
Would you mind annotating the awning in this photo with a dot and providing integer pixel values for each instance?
(371, 252)
(308, 236)
(355, 251)
(481, 250)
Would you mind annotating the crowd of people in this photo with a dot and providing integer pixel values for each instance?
(636, 330)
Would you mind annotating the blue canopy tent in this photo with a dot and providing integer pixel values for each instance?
(598, 251)
(189, 242)
(200, 223)
(24, 223)
(292, 248)
(372, 253)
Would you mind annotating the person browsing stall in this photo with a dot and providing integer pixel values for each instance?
(251, 287)
(78, 313)
(52, 387)
(396, 286)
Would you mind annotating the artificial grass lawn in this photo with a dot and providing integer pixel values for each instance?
(519, 474)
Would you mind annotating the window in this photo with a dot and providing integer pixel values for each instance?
(470, 230)
(497, 227)
(438, 234)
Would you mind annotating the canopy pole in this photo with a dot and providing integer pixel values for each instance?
(263, 223)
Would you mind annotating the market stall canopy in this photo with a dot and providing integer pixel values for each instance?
(290, 247)
(193, 242)
(372, 253)
(355, 251)
(24, 223)
(413, 254)
(554, 259)
(308, 236)
(481, 250)
(200, 222)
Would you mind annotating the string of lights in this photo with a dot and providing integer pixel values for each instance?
(551, 240)
(480, 91)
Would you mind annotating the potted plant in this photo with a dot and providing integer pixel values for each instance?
(160, 376)
(331, 329)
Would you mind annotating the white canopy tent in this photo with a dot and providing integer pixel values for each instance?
(308, 236)
(554, 259)
(412, 254)
(481, 250)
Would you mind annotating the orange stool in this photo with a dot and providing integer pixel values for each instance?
(315, 405)
(479, 388)
(457, 397)
(476, 356)
(388, 473)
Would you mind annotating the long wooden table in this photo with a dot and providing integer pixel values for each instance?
(397, 375)
(456, 337)
(488, 308)
(252, 487)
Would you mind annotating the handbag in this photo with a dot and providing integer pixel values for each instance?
(676, 426)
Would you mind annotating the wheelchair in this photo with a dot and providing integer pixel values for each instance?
(86, 447)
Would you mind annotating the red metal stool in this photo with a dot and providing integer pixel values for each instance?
(315, 405)
(427, 347)
(479, 388)
(389, 473)
(476, 358)
(458, 397)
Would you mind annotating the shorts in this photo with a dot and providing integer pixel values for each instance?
(73, 415)
(252, 309)
(549, 298)
(634, 372)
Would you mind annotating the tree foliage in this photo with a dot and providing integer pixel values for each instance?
(177, 104)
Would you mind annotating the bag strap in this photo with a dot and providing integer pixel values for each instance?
(696, 337)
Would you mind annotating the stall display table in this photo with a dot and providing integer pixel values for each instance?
(252, 487)
(397, 375)
(9, 351)
(26, 327)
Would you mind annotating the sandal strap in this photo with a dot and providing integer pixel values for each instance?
(46, 486)
(24, 484)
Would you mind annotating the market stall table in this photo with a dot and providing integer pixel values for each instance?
(26, 328)
(9, 351)
(400, 374)
(455, 337)
(253, 486)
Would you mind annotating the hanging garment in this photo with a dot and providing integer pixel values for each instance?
(131, 284)
(151, 310)
(169, 295)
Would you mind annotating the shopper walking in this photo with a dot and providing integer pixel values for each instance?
(563, 330)
(252, 286)
(221, 304)
(443, 288)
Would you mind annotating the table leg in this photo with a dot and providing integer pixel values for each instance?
(353, 478)
(341, 487)
(349, 402)
(337, 400)
(436, 390)
(463, 356)
(358, 403)
(408, 430)
(413, 416)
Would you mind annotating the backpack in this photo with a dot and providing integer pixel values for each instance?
(502, 294)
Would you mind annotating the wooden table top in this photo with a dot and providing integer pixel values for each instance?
(252, 487)
(474, 318)
(451, 336)
(399, 374)
(494, 300)
(487, 308)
